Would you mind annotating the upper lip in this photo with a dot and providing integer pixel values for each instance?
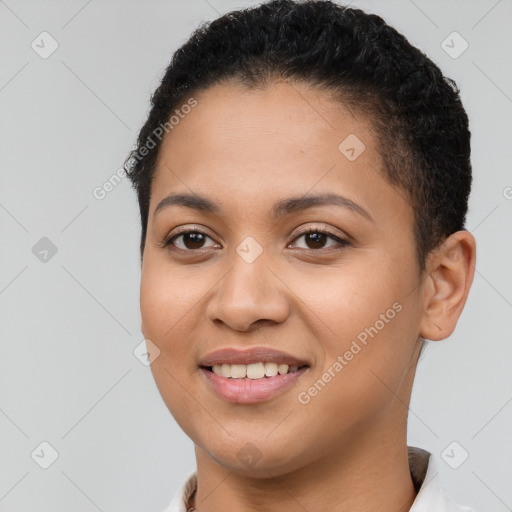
(249, 356)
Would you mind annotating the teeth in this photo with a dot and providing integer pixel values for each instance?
(256, 371)
(238, 371)
(252, 371)
(271, 369)
(225, 370)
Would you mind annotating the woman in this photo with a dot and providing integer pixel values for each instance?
(303, 178)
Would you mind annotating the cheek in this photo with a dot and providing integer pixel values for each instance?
(170, 310)
(347, 301)
(168, 316)
(167, 297)
(367, 328)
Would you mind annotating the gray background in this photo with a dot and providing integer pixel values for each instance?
(69, 324)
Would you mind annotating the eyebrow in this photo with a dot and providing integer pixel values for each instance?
(280, 209)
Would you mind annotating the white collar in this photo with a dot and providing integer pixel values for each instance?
(431, 495)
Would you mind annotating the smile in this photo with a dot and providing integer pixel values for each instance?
(249, 387)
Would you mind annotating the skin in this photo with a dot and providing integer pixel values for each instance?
(345, 449)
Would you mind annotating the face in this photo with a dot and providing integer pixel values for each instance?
(334, 284)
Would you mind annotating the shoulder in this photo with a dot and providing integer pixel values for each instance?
(179, 501)
(431, 493)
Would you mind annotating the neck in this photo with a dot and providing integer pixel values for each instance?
(373, 474)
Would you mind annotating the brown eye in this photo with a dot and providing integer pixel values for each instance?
(316, 239)
(190, 240)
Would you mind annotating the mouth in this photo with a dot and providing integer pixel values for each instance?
(250, 384)
(250, 375)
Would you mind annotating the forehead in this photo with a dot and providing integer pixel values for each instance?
(256, 146)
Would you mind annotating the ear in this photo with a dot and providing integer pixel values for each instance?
(450, 272)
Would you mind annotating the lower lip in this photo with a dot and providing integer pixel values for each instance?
(250, 391)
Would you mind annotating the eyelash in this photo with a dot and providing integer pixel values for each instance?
(341, 241)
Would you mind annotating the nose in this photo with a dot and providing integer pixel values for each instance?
(248, 296)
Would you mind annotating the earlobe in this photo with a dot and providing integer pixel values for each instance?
(447, 285)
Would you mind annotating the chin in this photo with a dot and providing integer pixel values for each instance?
(254, 457)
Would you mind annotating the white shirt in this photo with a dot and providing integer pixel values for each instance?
(425, 475)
